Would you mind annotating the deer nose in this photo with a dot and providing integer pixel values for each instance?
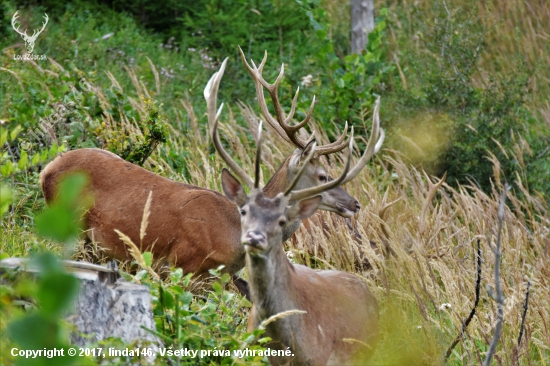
(254, 238)
(357, 205)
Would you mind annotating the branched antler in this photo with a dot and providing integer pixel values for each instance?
(281, 122)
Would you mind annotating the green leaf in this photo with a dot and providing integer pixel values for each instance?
(15, 132)
(34, 331)
(217, 287)
(5, 198)
(186, 298)
(3, 137)
(148, 258)
(56, 293)
(176, 275)
(23, 161)
(187, 279)
(58, 223)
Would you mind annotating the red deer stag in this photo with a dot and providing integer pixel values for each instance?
(335, 200)
(337, 322)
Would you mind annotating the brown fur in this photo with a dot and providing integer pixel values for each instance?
(181, 220)
(338, 306)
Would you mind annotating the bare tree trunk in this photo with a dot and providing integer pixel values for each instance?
(362, 23)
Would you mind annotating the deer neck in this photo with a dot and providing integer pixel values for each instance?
(271, 282)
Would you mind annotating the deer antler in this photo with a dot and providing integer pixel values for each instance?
(15, 27)
(36, 32)
(373, 146)
(280, 123)
(29, 40)
(211, 96)
(310, 192)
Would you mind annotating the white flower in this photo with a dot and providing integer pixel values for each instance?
(445, 306)
(307, 81)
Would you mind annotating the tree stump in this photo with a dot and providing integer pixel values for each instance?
(106, 306)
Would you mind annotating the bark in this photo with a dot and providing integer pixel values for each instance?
(362, 23)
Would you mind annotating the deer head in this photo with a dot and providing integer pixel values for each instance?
(263, 219)
(29, 40)
(335, 200)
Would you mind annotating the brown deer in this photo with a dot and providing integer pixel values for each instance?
(312, 317)
(181, 220)
(335, 200)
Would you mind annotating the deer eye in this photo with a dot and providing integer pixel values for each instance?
(323, 178)
(243, 212)
(282, 222)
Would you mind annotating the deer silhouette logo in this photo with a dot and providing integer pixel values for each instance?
(29, 40)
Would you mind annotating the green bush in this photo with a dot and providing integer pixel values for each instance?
(455, 122)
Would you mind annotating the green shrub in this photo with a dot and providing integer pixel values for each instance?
(440, 106)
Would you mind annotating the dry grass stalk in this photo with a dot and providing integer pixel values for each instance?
(155, 74)
(280, 315)
(136, 254)
(145, 217)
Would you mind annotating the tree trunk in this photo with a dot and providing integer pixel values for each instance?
(362, 23)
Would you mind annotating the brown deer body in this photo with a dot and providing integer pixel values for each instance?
(181, 220)
(337, 323)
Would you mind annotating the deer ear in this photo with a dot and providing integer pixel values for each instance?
(233, 188)
(303, 209)
(307, 150)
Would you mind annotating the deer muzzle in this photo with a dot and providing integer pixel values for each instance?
(254, 240)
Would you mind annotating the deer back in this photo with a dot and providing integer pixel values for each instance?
(192, 227)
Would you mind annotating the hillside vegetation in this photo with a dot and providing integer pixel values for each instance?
(464, 90)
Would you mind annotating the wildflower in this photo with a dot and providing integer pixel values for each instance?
(307, 81)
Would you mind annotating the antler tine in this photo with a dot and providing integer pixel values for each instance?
(211, 95)
(281, 122)
(258, 158)
(309, 192)
(336, 146)
(16, 28)
(36, 33)
(373, 146)
(302, 170)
